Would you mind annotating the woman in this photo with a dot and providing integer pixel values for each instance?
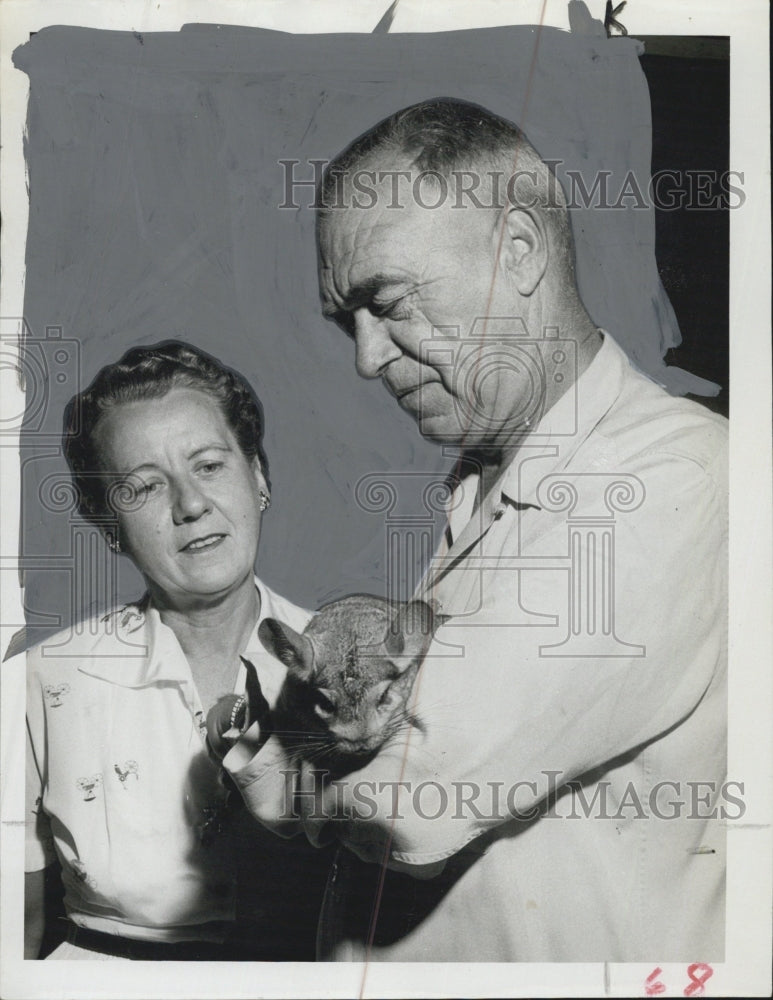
(157, 860)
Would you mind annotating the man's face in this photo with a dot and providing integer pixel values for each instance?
(391, 276)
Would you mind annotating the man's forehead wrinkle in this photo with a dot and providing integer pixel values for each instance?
(376, 261)
(334, 251)
(370, 269)
(381, 245)
(328, 287)
(343, 236)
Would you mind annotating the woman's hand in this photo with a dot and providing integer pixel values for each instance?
(233, 714)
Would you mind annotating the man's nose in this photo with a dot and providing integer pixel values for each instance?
(189, 502)
(375, 348)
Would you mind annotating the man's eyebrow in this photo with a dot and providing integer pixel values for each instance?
(363, 292)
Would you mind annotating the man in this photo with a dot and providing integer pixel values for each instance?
(562, 796)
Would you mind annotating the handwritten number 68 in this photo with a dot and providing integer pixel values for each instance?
(698, 973)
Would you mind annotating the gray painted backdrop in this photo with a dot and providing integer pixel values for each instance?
(154, 191)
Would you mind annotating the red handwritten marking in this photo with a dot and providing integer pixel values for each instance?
(652, 986)
(697, 985)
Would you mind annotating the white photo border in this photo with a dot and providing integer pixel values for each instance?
(746, 970)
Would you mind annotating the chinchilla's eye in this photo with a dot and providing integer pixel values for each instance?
(385, 697)
(323, 704)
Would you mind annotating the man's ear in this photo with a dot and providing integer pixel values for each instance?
(287, 645)
(525, 251)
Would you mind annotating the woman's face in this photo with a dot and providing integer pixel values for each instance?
(190, 516)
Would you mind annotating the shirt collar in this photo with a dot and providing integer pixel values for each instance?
(558, 436)
(146, 650)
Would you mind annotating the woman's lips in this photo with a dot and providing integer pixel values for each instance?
(203, 544)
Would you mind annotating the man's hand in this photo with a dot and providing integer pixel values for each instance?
(328, 812)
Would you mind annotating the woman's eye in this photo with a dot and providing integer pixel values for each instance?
(210, 468)
(129, 495)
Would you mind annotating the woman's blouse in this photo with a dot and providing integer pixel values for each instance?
(120, 787)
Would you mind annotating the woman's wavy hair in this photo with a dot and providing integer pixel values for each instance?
(150, 372)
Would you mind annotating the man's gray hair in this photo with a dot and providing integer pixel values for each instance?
(446, 136)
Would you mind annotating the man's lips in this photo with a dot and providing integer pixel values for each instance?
(401, 393)
(204, 543)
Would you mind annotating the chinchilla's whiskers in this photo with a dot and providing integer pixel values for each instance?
(302, 738)
(320, 753)
(305, 733)
(304, 744)
(441, 721)
(414, 708)
(307, 743)
(404, 721)
(400, 730)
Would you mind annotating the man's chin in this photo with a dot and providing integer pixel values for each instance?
(439, 429)
(435, 416)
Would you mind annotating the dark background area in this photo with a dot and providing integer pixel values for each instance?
(690, 94)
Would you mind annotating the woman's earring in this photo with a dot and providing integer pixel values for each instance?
(265, 500)
(113, 544)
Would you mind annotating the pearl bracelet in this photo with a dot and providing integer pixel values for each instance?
(238, 717)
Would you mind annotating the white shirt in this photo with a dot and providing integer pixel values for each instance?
(119, 784)
(637, 699)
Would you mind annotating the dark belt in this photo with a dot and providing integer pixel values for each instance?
(154, 951)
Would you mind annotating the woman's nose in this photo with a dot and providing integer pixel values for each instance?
(189, 502)
(375, 349)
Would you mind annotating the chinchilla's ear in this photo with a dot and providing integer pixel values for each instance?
(289, 646)
(411, 630)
